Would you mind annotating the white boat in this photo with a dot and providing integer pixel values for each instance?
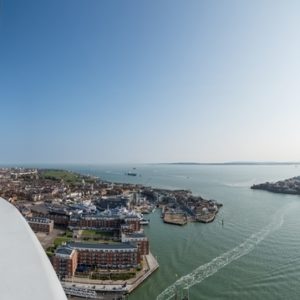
(144, 222)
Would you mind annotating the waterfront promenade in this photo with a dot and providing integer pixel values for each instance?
(118, 286)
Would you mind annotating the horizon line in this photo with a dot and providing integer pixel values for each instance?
(153, 163)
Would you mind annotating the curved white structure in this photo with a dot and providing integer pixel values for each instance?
(25, 270)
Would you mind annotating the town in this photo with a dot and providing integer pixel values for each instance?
(92, 230)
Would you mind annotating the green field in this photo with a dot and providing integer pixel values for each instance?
(96, 233)
(57, 242)
(58, 175)
(61, 239)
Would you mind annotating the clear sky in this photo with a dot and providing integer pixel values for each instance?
(96, 81)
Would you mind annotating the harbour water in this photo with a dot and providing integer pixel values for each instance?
(254, 255)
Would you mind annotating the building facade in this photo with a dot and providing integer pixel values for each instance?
(89, 256)
(39, 224)
(65, 261)
(95, 222)
(139, 239)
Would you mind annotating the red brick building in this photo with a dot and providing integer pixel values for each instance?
(138, 239)
(90, 256)
(40, 224)
(128, 224)
(96, 222)
(133, 222)
(65, 261)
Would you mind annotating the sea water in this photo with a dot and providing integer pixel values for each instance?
(254, 255)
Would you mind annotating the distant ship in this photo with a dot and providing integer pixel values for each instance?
(131, 174)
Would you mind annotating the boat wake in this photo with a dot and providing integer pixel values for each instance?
(210, 268)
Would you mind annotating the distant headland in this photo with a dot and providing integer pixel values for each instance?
(288, 186)
(233, 163)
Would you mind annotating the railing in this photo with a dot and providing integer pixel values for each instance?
(80, 292)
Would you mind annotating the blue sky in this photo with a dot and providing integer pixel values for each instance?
(149, 81)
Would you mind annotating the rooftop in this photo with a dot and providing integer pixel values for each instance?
(103, 246)
(38, 220)
(64, 250)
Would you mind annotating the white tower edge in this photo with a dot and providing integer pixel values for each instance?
(26, 272)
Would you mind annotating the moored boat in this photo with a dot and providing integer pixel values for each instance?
(144, 222)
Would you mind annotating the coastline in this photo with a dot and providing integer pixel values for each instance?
(83, 187)
(289, 186)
